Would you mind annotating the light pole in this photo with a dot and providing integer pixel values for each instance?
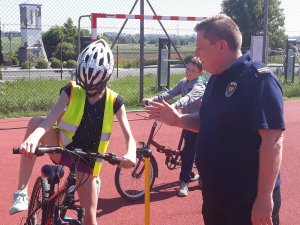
(265, 37)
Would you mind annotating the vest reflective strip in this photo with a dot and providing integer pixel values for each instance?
(99, 160)
(106, 127)
(64, 139)
(67, 126)
(73, 115)
(105, 136)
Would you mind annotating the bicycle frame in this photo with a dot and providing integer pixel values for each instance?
(67, 190)
(53, 213)
(172, 155)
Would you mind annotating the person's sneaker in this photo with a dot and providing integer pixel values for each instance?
(183, 189)
(194, 176)
(20, 202)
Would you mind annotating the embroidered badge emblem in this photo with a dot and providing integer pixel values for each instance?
(230, 89)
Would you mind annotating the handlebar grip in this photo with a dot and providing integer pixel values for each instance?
(37, 152)
(115, 161)
(16, 151)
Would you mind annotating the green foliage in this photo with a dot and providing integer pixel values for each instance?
(41, 64)
(71, 64)
(26, 65)
(62, 34)
(70, 32)
(249, 16)
(15, 61)
(55, 63)
(51, 38)
(65, 51)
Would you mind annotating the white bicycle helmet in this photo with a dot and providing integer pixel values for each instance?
(94, 67)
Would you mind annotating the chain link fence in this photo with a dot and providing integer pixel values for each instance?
(40, 42)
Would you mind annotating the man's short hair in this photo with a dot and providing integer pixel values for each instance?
(221, 27)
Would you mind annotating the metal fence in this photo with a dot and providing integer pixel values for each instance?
(24, 47)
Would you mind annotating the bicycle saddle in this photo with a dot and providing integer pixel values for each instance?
(53, 172)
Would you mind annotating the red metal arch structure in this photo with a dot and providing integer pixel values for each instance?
(141, 17)
(95, 16)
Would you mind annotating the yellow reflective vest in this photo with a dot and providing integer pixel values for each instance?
(72, 117)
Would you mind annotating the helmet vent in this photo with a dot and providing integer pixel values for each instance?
(90, 73)
(95, 55)
(108, 57)
(86, 58)
(101, 61)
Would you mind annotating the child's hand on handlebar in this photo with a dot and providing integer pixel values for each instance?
(129, 161)
(29, 146)
(146, 101)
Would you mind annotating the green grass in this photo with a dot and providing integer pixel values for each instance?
(15, 45)
(30, 98)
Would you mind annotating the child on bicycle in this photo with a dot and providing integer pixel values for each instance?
(81, 118)
(191, 88)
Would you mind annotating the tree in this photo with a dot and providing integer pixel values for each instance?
(52, 38)
(65, 51)
(70, 32)
(56, 35)
(249, 16)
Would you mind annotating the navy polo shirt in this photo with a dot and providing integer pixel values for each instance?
(236, 104)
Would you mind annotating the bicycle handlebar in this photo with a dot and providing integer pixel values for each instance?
(41, 150)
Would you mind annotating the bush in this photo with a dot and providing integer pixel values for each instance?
(52, 59)
(15, 61)
(56, 63)
(26, 65)
(41, 64)
(71, 64)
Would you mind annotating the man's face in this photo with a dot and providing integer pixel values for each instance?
(207, 52)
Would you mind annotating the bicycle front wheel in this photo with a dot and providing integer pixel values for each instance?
(40, 194)
(130, 183)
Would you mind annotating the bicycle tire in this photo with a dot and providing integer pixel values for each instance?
(40, 194)
(130, 183)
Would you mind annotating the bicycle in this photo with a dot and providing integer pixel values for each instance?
(50, 201)
(130, 183)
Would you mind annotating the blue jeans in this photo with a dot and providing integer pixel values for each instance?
(188, 155)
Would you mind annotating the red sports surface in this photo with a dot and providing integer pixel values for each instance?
(166, 207)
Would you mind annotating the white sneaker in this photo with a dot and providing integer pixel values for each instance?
(20, 202)
(194, 176)
(183, 189)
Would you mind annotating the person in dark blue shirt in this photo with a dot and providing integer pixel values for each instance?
(240, 125)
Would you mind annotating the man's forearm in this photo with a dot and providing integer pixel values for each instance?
(189, 122)
(270, 157)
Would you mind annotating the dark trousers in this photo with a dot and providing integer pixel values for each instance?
(188, 155)
(235, 214)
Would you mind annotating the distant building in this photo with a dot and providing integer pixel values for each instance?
(31, 33)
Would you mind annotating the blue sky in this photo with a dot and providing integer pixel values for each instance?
(56, 12)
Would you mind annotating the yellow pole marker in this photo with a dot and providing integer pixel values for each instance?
(147, 190)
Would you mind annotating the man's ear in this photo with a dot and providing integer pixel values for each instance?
(223, 44)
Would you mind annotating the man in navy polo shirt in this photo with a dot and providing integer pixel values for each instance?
(240, 127)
